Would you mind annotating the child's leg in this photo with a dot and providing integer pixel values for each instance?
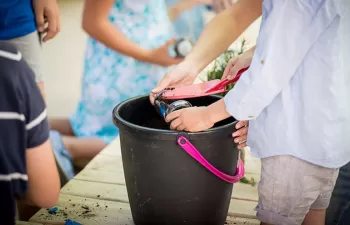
(62, 125)
(317, 213)
(315, 217)
(78, 147)
(83, 148)
(290, 187)
(338, 211)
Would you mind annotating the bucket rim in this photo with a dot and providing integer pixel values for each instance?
(119, 120)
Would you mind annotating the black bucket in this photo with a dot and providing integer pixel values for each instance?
(165, 184)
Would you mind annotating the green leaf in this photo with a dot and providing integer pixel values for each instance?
(221, 62)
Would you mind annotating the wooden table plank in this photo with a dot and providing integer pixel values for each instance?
(118, 193)
(242, 208)
(106, 162)
(240, 191)
(113, 149)
(101, 176)
(100, 212)
(86, 211)
(103, 191)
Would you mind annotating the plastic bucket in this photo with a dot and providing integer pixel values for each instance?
(168, 183)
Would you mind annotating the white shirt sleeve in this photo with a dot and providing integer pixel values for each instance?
(287, 33)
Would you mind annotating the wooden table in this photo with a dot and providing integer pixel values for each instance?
(97, 195)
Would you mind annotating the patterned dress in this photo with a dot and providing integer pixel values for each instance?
(110, 77)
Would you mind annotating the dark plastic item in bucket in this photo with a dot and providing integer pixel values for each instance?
(165, 183)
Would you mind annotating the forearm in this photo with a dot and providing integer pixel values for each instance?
(43, 177)
(222, 31)
(106, 33)
(217, 111)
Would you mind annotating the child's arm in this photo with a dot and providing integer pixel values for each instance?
(222, 31)
(216, 37)
(43, 179)
(47, 12)
(97, 25)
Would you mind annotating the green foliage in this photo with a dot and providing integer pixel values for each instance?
(250, 181)
(221, 62)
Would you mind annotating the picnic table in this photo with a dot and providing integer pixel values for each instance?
(98, 196)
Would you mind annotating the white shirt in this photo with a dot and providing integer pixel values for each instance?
(297, 90)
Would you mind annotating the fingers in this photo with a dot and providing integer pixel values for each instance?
(240, 139)
(240, 132)
(52, 28)
(170, 42)
(177, 125)
(243, 145)
(174, 115)
(240, 136)
(233, 71)
(152, 98)
(241, 124)
(228, 67)
(163, 83)
(40, 20)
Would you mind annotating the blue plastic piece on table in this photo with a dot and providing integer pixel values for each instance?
(71, 222)
(52, 210)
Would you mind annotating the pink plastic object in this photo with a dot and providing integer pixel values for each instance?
(191, 150)
(202, 89)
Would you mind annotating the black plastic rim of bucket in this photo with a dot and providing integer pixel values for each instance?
(160, 134)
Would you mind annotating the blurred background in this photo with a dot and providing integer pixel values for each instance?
(63, 58)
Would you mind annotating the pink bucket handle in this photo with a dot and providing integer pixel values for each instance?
(191, 150)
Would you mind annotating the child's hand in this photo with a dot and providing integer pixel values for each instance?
(240, 136)
(47, 12)
(237, 63)
(161, 55)
(181, 74)
(192, 119)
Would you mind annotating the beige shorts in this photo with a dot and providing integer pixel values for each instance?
(30, 47)
(290, 187)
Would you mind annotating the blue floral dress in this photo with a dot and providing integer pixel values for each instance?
(110, 77)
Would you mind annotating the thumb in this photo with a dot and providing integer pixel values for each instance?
(233, 72)
(40, 20)
(170, 42)
(231, 64)
(164, 83)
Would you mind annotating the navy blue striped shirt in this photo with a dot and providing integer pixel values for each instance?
(23, 125)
